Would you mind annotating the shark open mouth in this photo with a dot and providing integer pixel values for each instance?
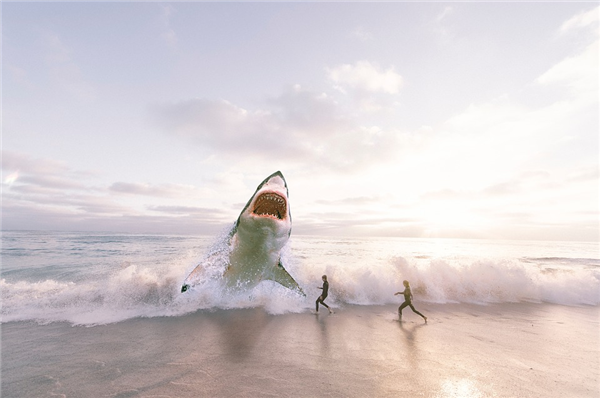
(270, 204)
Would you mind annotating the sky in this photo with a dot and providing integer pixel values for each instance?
(399, 119)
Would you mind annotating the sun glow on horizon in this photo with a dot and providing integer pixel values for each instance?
(451, 217)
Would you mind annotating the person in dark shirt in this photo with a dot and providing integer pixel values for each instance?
(407, 301)
(323, 296)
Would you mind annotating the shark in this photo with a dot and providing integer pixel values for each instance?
(256, 240)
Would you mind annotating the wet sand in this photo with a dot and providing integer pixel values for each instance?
(504, 350)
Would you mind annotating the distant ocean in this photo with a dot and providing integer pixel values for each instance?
(101, 278)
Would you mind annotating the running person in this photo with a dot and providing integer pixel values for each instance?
(407, 301)
(323, 296)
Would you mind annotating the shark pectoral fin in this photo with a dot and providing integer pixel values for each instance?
(281, 276)
(197, 275)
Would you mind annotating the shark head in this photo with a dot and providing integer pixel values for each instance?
(268, 210)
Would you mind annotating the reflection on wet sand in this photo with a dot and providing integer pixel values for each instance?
(459, 388)
(465, 351)
(324, 340)
(412, 349)
(240, 331)
(449, 387)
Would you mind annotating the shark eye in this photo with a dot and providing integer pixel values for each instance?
(270, 204)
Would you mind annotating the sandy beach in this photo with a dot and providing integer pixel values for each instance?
(503, 350)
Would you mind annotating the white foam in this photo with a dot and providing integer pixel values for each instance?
(152, 290)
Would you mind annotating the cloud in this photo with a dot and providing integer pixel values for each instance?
(167, 33)
(299, 126)
(445, 12)
(39, 200)
(362, 34)
(445, 194)
(48, 194)
(578, 73)
(304, 111)
(27, 164)
(439, 24)
(355, 201)
(585, 174)
(34, 217)
(505, 136)
(52, 182)
(42, 173)
(156, 190)
(582, 20)
(529, 181)
(189, 210)
(366, 77)
(221, 125)
(531, 157)
(98, 205)
(346, 223)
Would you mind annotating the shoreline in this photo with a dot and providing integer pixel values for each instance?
(470, 350)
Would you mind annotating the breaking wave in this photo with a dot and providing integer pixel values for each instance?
(147, 288)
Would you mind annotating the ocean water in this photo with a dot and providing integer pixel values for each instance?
(102, 278)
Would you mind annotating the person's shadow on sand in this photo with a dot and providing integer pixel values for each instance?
(409, 331)
(322, 322)
(240, 330)
(412, 350)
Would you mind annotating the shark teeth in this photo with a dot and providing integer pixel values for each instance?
(270, 204)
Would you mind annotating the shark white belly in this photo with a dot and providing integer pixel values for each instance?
(255, 242)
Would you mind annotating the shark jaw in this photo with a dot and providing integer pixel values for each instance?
(267, 212)
(261, 231)
(270, 204)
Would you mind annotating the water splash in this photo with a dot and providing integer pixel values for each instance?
(143, 278)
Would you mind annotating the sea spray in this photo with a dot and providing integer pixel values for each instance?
(114, 277)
